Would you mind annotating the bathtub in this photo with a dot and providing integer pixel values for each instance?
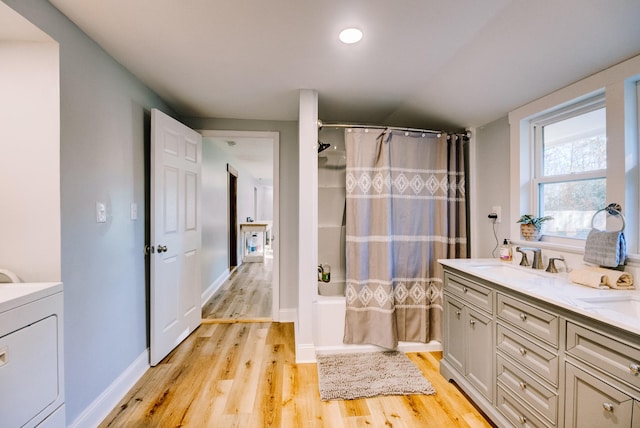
(331, 288)
(328, 330)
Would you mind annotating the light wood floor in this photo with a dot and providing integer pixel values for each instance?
(244, 375)
(245, 295)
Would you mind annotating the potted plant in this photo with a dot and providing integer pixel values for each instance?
(531, 225)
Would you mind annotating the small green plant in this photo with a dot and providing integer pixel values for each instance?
(535, 221)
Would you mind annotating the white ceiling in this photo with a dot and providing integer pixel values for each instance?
(422, 63)
(255, 154)
(13, 27)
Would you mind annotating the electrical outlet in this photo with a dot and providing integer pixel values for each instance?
(497, 211)
(101, 212)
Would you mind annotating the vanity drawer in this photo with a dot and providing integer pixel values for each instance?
(539, 360)
(517, 413)
(618, 359)
(471, 292)
(527, 388)
(537, 322)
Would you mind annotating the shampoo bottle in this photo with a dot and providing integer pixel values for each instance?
(506, 253)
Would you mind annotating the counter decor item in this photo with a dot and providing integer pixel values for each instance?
(531, 226)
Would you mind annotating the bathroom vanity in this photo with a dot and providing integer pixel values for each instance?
(31, 355)
(532, 349)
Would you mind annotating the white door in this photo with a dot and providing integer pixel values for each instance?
(176, 155)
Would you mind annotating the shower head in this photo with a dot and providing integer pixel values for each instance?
(323, 146)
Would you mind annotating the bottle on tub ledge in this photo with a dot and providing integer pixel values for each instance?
(324, 272)
(506, 251)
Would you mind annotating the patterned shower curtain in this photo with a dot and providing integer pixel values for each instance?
(406, 209)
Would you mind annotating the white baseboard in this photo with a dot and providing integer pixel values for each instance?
(211, 289)
(305, 353)
(100, 408)
(288, 315)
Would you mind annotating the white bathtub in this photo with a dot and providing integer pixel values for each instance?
(331, 288)
(328, 330)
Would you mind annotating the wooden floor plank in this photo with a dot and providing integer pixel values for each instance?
(245, 295)
(245, 375)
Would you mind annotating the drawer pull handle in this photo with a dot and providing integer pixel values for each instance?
(608, 407)
(522, 419)
(458, 314)
(634, 369)
(522, 385)
(523, 317)
(472, 323)
(523, 351)
(465, 289)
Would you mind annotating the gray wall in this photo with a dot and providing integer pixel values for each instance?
(104, 126)
(288, 162)
(492, 184)
(215, 210)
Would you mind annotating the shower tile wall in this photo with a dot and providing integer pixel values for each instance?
(331, 202)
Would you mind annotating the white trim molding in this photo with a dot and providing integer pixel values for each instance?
(100, 408)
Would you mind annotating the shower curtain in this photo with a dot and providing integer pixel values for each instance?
(406, 209)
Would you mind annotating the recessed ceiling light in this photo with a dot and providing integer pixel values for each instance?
(350, 35)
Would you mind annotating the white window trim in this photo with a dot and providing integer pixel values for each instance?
(536, 141)
(618, 83)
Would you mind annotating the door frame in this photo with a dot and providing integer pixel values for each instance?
(232, 198)
(274, 136)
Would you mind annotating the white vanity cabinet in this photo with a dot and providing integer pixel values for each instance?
(469, 339)
(31, 355)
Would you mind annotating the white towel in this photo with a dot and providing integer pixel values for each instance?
(607, 249)
(602, 278)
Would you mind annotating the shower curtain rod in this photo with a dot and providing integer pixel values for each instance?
(393, 128)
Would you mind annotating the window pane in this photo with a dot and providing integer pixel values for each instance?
(574, 145)
(572, 205)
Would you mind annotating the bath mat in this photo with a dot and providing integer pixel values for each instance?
(369, 374)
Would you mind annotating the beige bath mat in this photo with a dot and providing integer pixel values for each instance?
(369, 374)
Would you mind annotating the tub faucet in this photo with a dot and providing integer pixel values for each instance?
(537, 257)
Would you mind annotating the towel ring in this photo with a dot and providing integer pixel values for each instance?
(611, 209)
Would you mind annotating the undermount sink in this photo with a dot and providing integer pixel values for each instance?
(625, 305)
(506, 272)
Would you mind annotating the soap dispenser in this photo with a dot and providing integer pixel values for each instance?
(506, 253)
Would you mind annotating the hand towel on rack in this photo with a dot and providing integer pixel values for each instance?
(608, 249)
(602, 278)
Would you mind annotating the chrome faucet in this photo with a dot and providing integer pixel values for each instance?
(537, 257)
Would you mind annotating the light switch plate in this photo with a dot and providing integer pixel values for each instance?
(101, 212)
(134, 211)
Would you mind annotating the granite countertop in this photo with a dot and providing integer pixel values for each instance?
(620, 308)
(17, 294)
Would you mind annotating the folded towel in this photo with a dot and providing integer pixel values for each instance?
(607, 249)
(602, 278)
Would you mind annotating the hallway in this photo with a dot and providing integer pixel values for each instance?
(245, 296)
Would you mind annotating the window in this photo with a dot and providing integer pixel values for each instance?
(570, 170)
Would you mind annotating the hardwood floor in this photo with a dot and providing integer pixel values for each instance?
(244, 375)
(245, 295)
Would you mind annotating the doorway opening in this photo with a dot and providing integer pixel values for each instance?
(247, 287)
(233, 217)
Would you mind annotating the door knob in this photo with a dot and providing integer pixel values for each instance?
(162, 248)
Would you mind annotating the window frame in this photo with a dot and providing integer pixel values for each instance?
(536, 134)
